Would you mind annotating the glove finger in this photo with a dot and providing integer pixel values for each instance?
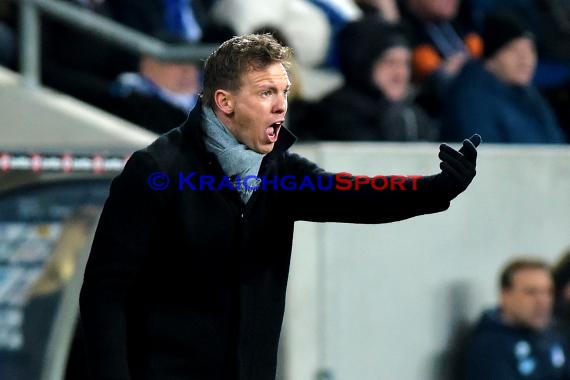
(448, 169)
(460, 164)
(461, 173)
(476, 139)
(452, 152)
(469, 150)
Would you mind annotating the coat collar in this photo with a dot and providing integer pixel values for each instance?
(192, 131)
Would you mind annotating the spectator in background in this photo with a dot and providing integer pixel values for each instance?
(552, 22)
(561, 274)
(159, 95)
(338, 13)
(495, 96)
(387, 9)
(514, 341)
(188, 20)
(442, 44)
(549, 21)
(79, 63)
(304, 25)
(374, 104)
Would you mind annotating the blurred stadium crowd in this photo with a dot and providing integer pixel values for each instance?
(400, 70)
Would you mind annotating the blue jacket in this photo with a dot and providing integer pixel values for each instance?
(497, 351)
(478, 102)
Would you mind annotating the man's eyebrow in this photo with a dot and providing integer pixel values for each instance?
(265, 83)
(270, 85)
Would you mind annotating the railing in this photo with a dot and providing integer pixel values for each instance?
(127, 38)
(102, 27)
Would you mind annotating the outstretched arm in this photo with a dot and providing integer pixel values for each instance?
(359, 199)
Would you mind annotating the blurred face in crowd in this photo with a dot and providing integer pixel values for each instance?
(434, 10)
(255, 111)
(528, 301)
(515, 62)
(391, 73)
(177, 77)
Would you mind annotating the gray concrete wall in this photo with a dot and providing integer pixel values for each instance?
(382, 302)
(45, 120)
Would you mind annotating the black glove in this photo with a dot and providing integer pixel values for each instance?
(457, 167)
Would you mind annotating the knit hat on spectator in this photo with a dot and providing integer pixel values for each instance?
(362, 42)
(500, 28)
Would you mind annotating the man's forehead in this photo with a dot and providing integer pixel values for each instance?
(529, 276)
(271, 73)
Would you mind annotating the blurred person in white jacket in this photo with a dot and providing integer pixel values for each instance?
(303, 23)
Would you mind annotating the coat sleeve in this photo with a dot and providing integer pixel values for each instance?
(359, 199)
(125, 233)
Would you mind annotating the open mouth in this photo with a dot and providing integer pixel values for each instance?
(272, 131)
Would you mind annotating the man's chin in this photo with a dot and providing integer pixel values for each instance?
(539, 325)
(263, 149)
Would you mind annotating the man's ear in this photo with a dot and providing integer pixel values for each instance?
(224, 101)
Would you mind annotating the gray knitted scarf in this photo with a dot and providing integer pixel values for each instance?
(235, 158)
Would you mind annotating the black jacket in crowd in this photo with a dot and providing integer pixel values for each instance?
(190, 284)
(351, 114)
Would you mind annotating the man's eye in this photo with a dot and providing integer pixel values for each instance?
(266, 93)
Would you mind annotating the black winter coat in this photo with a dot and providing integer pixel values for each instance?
(189, 284)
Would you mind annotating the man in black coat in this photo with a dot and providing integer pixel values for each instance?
(188, 270)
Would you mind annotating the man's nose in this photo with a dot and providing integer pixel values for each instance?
(280, 105)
